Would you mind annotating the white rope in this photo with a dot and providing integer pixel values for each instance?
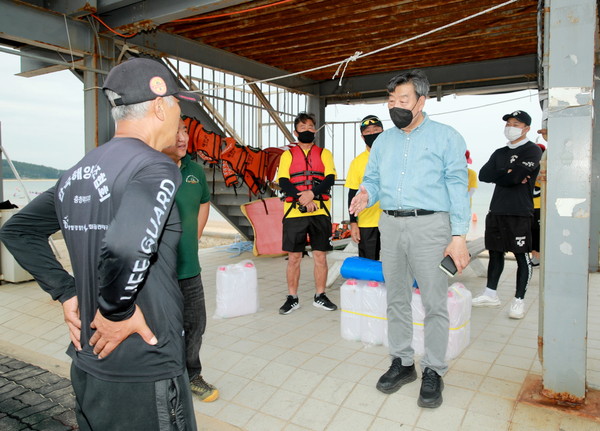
(69, 39)
(345, 63)
(361, 55)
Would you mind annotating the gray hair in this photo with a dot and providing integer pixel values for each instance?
(416, 76)
(135, 111)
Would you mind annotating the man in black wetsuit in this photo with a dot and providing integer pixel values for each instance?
(513, 169)
(123, 306)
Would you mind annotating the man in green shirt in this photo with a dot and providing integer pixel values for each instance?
(192, 201)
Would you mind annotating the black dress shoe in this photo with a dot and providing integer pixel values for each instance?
(397, 376)
(432, 386)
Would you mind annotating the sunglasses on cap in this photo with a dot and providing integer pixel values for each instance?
(370, 121)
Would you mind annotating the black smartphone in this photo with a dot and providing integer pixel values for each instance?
(447, 265)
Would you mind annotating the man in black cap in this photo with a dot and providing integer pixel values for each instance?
(364, 228)
(123, 306)
(513, 169)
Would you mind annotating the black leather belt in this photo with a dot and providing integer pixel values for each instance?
(408, 213)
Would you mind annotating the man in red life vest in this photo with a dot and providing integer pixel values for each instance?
(306, 174)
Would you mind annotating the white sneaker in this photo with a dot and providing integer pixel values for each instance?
(486, 301)
(517, 309)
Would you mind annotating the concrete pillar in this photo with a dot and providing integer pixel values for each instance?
(570, 80)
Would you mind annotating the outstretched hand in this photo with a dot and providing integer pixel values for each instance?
(110, 334)
(359, 202)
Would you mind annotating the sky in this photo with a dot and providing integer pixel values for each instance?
(42, 117)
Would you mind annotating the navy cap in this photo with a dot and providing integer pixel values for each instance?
(138, 80)
(522, 116)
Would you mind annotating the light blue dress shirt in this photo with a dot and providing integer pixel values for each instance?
(424, 169)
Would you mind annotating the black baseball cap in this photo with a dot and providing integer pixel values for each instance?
(522, 116)
(138, 80)
(370, 120)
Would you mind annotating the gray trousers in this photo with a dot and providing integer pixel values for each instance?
(412, 248)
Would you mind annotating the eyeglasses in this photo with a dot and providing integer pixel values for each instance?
(370, 121)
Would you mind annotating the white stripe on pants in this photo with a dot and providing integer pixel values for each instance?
(412, 248)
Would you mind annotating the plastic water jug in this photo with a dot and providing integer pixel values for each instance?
(374, 324)
(459, 312)
(237, 292)
(351, 294)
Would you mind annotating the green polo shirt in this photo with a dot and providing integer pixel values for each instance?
(192, 192)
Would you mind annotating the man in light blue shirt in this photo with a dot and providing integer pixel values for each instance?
(418, 173)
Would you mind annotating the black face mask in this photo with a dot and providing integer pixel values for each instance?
(369, 139)
(401, 117)
(306, 137)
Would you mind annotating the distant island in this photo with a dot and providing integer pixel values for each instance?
(29, 171)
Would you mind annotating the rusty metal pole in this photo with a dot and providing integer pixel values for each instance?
(99, 127)
(570, 79)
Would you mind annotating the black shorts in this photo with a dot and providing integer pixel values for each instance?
(317, 227)
(370, 243)
(508, 233)
(535, 230)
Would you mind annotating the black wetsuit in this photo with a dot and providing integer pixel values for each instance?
(508, 223)
(114, 208)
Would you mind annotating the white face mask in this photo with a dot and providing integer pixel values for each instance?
(512, 133)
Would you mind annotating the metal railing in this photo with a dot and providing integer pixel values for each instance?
(231, 103)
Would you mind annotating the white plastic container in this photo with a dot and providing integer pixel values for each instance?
(237, 292)
(459, 311)
(351, 294)
(373, 328)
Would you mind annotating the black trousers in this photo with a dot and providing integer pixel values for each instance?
(164, 405)
(524, 271)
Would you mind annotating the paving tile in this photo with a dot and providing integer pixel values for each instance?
(314, 414)
(492, 406)
(463, 380)
(347, 419)
(400, 409)
(445, 418)
(236, 415)
(283, 404)
(478, 422)
(333, 390)
(458, 397)
(249, 366)
(302, 381)
(381, 424)
(511, 374)
(263, 422)
(539, 418)
(254, 395)
(274, 374)
(471, 366)
(320, 364)
(348, 371)
(366, 399)
(501, 388)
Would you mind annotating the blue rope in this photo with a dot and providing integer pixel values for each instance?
(237, 248)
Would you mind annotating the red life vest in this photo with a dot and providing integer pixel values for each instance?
(305, 169)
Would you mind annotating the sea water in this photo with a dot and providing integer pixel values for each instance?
(18, 193)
